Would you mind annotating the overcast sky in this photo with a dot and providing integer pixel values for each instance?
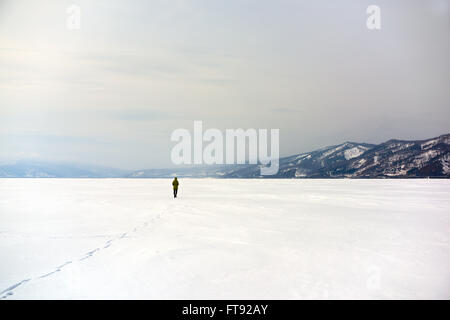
(112, 92)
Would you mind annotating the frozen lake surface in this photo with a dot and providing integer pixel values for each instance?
(224, 239)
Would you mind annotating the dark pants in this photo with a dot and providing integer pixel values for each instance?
(175, 193)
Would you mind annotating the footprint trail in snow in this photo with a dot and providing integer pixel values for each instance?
(11, 289)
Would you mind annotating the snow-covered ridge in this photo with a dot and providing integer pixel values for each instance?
(394, 158)
(354, 152)
(446, 163)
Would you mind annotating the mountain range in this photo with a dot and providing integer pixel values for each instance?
(391, 159)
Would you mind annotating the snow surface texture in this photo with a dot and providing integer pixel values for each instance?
(239, 239)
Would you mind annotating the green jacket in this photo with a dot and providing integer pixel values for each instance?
(175, 183)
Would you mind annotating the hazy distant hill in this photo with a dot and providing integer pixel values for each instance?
(44, 169)
(213, 171)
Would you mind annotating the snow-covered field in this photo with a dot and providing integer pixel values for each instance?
(238, 239)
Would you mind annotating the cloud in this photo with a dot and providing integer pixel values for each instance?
(142, 115)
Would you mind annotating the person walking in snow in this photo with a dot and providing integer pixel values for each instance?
(175, 184)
